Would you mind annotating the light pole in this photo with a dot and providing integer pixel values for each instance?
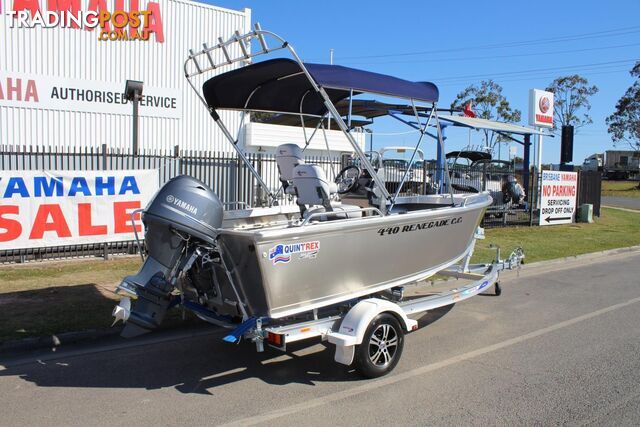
(133, 92)
(370, 132)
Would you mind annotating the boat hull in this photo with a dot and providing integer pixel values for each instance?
(295, 269)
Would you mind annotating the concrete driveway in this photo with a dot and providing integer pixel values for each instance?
(561, 345)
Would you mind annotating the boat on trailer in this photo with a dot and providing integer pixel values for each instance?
(319, 267)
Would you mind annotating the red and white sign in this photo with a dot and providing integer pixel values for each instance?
(57, 208)
(112, 19)
(540, 108)
(558, 197)
(55, 93)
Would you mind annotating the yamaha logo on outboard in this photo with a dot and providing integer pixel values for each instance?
(173, 200)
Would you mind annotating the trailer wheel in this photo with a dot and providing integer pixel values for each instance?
(381, 347)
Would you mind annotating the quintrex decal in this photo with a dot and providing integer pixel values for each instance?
(419, 226)
(281, 253)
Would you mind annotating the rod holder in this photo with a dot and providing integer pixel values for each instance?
(195, 60)
(224, 50)
(261, 39)
(241, 42)
(207, 51)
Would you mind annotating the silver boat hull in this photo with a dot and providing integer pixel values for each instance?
(292, 269)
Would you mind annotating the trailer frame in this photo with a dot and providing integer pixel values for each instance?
(347, 325)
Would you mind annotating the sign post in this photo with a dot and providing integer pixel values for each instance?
(558, 197)
(540, 116)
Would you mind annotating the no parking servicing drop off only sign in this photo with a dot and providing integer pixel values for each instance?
(558, 197)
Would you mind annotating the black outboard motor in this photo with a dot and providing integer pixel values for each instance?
(512, 191)
(183, 211)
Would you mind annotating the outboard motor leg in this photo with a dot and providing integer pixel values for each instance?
(183, 215)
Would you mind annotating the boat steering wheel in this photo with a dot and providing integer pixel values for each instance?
(347, 179)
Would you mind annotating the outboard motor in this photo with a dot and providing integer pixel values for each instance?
(512, 191)
(183, 211)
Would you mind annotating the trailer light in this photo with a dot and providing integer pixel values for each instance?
(414, 328)
(303, 330)
(274, 338)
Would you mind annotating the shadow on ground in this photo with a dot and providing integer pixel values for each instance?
(54, 310)
(193, 365)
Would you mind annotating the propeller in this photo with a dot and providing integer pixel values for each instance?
(122, 311)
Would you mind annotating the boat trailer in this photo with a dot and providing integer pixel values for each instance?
(351, 324)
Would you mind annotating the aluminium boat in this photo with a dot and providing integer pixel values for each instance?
(277, 261)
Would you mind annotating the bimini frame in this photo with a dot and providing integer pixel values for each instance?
(211, 58)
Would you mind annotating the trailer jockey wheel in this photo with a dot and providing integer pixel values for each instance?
(497, 289)
(347, 179)
(381, 347)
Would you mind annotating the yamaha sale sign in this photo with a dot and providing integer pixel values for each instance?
(59, 208)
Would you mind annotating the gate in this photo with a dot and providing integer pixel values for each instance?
(590, 189)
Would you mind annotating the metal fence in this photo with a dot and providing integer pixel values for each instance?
(590, 189)
(229, 178)
(224, 173)
(466, 179)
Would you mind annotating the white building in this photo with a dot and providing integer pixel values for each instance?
(62, 87)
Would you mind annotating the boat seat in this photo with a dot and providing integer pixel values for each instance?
(288, 156)
(312, 186)
(313, 189)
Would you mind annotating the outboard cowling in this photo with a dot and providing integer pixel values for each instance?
(512, 191)
(184, 210)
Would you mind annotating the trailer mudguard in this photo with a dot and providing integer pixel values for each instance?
(355, 323)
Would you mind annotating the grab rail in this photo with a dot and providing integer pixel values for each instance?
(334, 213)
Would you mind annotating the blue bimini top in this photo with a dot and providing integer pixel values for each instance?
(279, 85)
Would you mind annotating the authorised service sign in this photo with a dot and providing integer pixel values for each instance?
(558, 198)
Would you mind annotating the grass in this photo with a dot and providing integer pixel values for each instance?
(621, 189)
(102, 274)
(54, 297)
(51, 298)
(614, 229)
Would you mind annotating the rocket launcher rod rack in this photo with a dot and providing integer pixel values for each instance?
(206, 59)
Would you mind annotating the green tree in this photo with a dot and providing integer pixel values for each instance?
(624, 123)
(571, 101)
(488, 103)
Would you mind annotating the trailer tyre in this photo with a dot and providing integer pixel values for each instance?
(381, 347)
(497, 289)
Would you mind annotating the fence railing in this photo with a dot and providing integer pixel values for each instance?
(224, 173)
(227, 176)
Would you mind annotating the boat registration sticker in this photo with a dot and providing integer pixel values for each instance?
(282, 252)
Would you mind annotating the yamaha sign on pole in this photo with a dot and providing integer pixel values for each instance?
(540, 116)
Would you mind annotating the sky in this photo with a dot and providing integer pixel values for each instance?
(518, 44)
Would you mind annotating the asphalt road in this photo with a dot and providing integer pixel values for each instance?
(561, 345)
(621, 202)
